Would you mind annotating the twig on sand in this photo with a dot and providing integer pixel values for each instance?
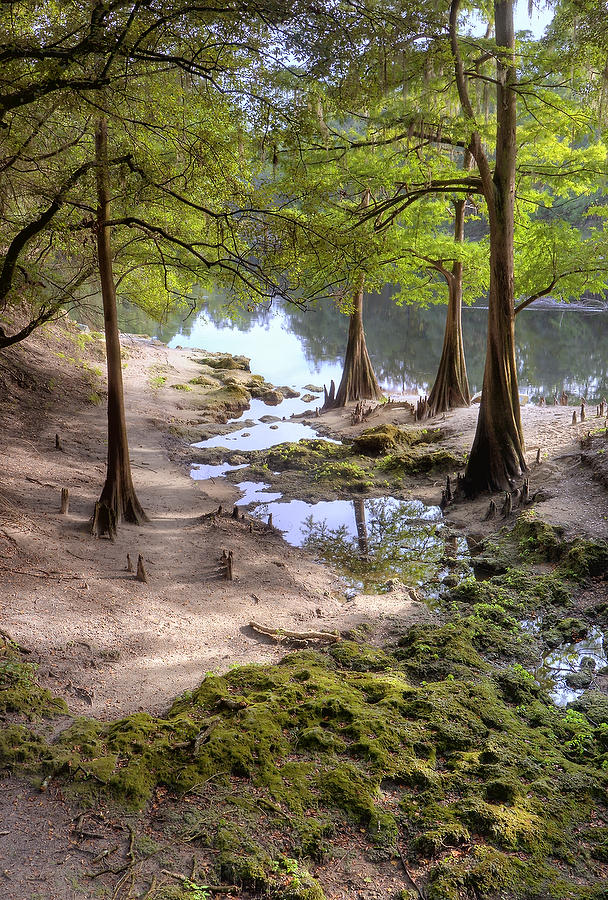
(282, 634)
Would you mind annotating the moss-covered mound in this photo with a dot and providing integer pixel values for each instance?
(382, 438)
(20, 693)
(443, 750)
(531, 540)
(327, 468)
(495, 788)
(324, 466)
(230, 397)
(224, 361)
(309, 455)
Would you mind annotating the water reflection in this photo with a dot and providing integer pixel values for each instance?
(570, 668)
(557, 349)
(263, 436)
(201, 472)
(368, 541)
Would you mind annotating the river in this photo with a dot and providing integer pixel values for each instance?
(557, 349)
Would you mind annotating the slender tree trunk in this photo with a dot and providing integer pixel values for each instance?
(358, 379)
(497, 456)
(118, 499)
(451, 387)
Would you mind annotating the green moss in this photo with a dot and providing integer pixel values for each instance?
(340, 471)
(382, 438)
(224, 361)
(229, 397)
(181, 387)
(307, 455)
(361, 657)
(537, 539)
(240, 860)
(20, 693)
(470, 760)
(21, 749)
(595, 706)
(598, 840)
(344, 786)
(204, 381)
(432, 652)
(585, 558)
(420, 460)
(433, 841)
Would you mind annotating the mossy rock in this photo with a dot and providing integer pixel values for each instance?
(419, 460)
(537, 539)
(317, 738)
(598, 839)
(361, 657)
(578, 681)
(258, 389)
(230, 397)
(437, 652)
(288, 392)
(20, 693)
(572, 629)
(240, 860)
(271, 397)
(594, 705)
(382, 438)
(445, 835)
(225, 361)
(204, 381)
(344, 786)
(586, 559)
(502, 790)
(518, 685)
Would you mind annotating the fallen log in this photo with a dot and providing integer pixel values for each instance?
(281, 634)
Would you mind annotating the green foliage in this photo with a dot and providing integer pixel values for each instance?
(20, 692)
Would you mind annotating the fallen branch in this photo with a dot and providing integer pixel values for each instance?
(212, 888)
(42, 574)
(281, 634)
(421, 893)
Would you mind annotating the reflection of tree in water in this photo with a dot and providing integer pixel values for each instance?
(226, 314)
(390, 538)
(404, 342)
(556, 349)
(560, 349)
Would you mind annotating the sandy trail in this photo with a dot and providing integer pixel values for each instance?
(111, 645)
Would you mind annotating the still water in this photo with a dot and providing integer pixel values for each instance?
(557, 349)
(559, 665)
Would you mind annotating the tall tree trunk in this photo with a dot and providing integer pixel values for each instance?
(497, 456)
(118, 499)
(451, 387)
(358, 379)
